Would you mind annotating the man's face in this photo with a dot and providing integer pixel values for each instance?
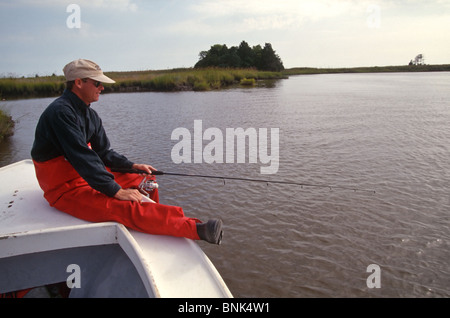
(89, 90)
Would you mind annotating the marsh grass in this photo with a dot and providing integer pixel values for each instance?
(31, 87)
(373, 69)
(184, 79)
(248, 81)
(165, 81)
(6, 125)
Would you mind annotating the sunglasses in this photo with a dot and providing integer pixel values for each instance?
(96, 83)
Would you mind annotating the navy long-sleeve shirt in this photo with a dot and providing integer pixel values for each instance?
(66, 128)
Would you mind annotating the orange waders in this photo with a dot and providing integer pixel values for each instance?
(67, 191)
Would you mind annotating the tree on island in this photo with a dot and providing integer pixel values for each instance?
(418, 60)
(219, 55)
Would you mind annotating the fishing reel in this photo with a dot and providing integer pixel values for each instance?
(147, 185)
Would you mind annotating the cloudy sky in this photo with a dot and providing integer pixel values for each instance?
(40, 37)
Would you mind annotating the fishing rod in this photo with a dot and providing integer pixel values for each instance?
(159, 172)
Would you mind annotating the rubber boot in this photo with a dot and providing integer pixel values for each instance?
(211, 231)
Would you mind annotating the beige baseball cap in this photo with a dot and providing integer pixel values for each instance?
(82, 68)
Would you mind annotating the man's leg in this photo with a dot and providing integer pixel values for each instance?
(152, 218)
(68, 192)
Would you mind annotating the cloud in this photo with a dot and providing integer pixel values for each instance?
(121, 5)
(303, 9)
(272, 22)
(261, 15)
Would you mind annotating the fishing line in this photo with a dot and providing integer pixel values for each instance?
(159, 172)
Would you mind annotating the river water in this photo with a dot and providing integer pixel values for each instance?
(388, 133)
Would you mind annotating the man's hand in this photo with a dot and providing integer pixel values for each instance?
(129, 195)
(147, 168)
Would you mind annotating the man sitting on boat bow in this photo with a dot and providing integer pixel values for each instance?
(73, 161)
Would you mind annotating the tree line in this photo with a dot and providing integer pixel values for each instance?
(243, 56)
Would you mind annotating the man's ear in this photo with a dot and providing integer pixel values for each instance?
(78, 82)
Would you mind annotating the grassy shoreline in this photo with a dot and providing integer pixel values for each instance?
(6, 125)
(370, 69)
(184, 79)
(139, 81)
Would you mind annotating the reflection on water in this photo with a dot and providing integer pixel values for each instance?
(386, 132)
